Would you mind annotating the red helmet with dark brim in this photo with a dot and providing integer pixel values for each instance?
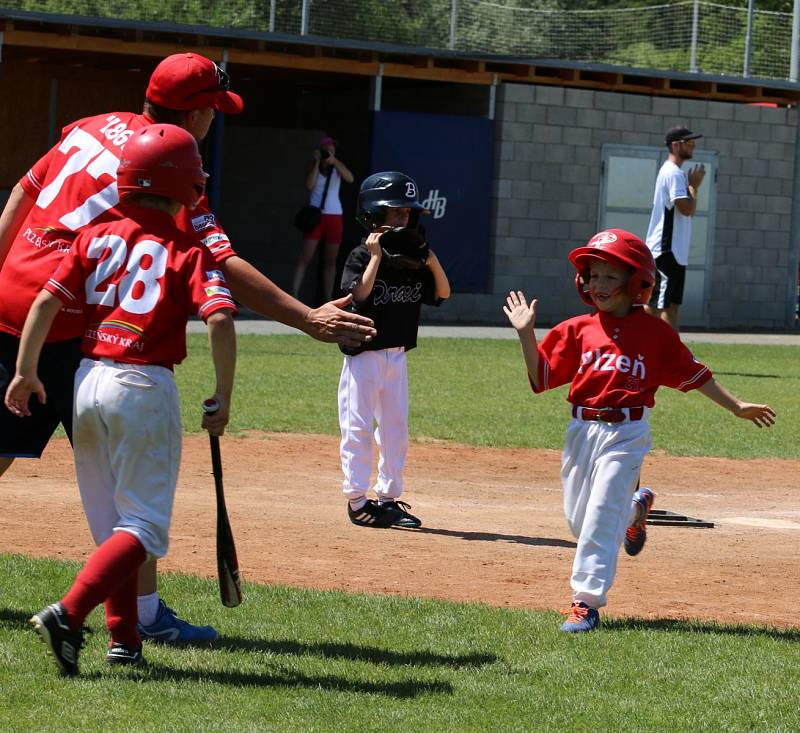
(622, 249)
(162, 160)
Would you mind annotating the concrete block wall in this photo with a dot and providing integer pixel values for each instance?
(546, 195)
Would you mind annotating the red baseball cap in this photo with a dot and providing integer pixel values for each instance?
(327, 141)
(187, 81)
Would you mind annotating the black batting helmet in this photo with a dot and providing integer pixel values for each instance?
(387, 190)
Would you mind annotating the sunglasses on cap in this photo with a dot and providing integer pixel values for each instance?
(222, 85)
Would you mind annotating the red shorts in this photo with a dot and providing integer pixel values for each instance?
(329, 229)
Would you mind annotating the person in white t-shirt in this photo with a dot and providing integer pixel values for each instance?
(324, 166)
(670, 229)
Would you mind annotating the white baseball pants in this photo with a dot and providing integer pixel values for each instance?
(373, 388)
(127, 432)
(600, 469)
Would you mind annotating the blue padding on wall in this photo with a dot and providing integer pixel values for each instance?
(450, 158)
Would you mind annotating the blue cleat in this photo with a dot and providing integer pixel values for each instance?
(636, 534)
(169, 629)
(580, 619)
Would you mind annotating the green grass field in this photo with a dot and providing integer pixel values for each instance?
(300, 660)
(476, 392)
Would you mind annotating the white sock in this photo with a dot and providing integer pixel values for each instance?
(356, 504)
(148, 608)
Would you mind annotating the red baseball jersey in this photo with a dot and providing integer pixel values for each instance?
(136, 281)
(75, 186)
(617, 362)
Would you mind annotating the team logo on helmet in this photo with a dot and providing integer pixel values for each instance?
(601, 239)
(411, 190)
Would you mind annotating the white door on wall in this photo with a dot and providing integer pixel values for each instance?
(626, 201)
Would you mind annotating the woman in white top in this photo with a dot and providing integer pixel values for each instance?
(324, 166)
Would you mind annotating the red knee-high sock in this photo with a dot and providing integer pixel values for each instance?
(109, 567)
(122, 614)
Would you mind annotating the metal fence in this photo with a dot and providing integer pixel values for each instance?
(691, 35)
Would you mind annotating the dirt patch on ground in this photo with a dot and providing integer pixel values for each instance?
(493, 529)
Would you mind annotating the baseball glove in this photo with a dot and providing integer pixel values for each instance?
(404, 248)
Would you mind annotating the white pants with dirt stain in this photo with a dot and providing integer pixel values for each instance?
(127, 433)
(373, 388)
(600, 470)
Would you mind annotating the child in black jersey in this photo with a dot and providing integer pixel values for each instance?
(390, 274)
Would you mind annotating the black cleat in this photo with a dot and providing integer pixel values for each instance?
(118, 653)
(406, 518)
(64, 643)
(373, 514)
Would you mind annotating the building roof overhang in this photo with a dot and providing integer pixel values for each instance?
(40, 37)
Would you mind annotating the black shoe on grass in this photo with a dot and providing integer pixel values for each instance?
(120, 654)
(64, 643)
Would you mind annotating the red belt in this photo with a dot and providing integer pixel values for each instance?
(608, 414)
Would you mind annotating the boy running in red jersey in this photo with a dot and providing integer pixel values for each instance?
(135, 281)
(614, 361)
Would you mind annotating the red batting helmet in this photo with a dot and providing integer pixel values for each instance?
(621, 249)
(162, 160)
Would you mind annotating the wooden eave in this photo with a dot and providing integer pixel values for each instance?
(92, 41)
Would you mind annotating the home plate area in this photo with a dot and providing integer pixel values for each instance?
(673, 519)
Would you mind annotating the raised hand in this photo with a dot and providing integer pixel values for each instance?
(374, 242)
(696, 175)
(521, 315)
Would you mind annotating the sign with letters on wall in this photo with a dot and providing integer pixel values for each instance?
(450, 158)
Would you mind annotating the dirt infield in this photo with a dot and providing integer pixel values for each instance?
(493, 527)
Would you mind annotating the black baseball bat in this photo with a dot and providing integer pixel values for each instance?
(230, 589)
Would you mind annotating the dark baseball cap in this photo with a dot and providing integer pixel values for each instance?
(186, 81)
(680, 132)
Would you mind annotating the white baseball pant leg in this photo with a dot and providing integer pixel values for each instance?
(374, 387)
(600, 470)
(127, 432)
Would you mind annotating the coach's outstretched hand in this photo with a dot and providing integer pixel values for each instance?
(331, 323)
(19, 392)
